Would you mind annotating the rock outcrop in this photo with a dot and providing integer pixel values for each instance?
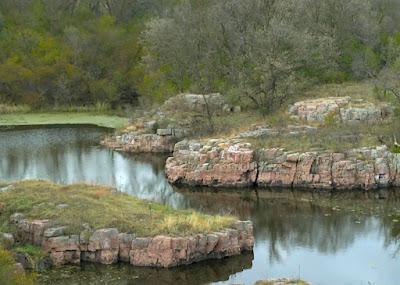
(141, 143)
(108, 246)
(216, 103)
(213, 163)
(344, 109)
(237, 164)
(289, 131)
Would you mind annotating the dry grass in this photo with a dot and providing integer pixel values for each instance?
(356, 90)
(101, 207)
(11, 109)
(336, 137)
(18, 119)
(9, 275)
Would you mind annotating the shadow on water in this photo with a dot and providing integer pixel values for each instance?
(295, 235)
(201, 273)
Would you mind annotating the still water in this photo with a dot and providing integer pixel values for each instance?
(294, 238)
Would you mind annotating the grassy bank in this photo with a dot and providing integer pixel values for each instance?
(9, 275)
(18, 119)
(101, 207)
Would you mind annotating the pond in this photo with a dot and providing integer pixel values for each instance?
(294, 237)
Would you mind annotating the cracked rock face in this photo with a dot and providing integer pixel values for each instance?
(108, 246)
(141, 143)
(344, 109)
(237, 164)
(214, 163)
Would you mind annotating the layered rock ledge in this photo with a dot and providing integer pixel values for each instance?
(237, 164)
(108, 246)
(141, 143)
(345, 109)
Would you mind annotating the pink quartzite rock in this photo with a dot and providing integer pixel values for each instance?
(141, 143)
(216, 163)
(345, 109)
(103, 246)
(164, 251)
(108, 246)
(32, 231)
(235, 163)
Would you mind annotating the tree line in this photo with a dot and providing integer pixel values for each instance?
(258, 52)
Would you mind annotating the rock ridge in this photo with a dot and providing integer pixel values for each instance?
(234, 163)
(109, 246)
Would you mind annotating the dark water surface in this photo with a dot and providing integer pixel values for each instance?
(294, 237)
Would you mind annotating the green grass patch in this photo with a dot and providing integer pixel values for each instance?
(8, 273)
(31, 250)
(19, 119)
(102, 207)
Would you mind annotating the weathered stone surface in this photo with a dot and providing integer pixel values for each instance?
(164, 132)
(125, 246)
(363, 168)
(164, 251)
(216, 163)
(62, 243)
(105, 244)
(25, 260)
(344, 109)
(54, 232)
(108, 246)
(30, 231)
(141, 143)
(290, 130)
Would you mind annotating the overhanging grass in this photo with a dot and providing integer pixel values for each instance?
(19, 119)
(101, 207)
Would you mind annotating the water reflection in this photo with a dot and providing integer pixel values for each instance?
(68, 155)
(294, 236)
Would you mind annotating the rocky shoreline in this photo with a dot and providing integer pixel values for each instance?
(234, 163)
(109, 246)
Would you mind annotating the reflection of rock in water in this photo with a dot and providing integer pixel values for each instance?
(202, 273)
(287, 219)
